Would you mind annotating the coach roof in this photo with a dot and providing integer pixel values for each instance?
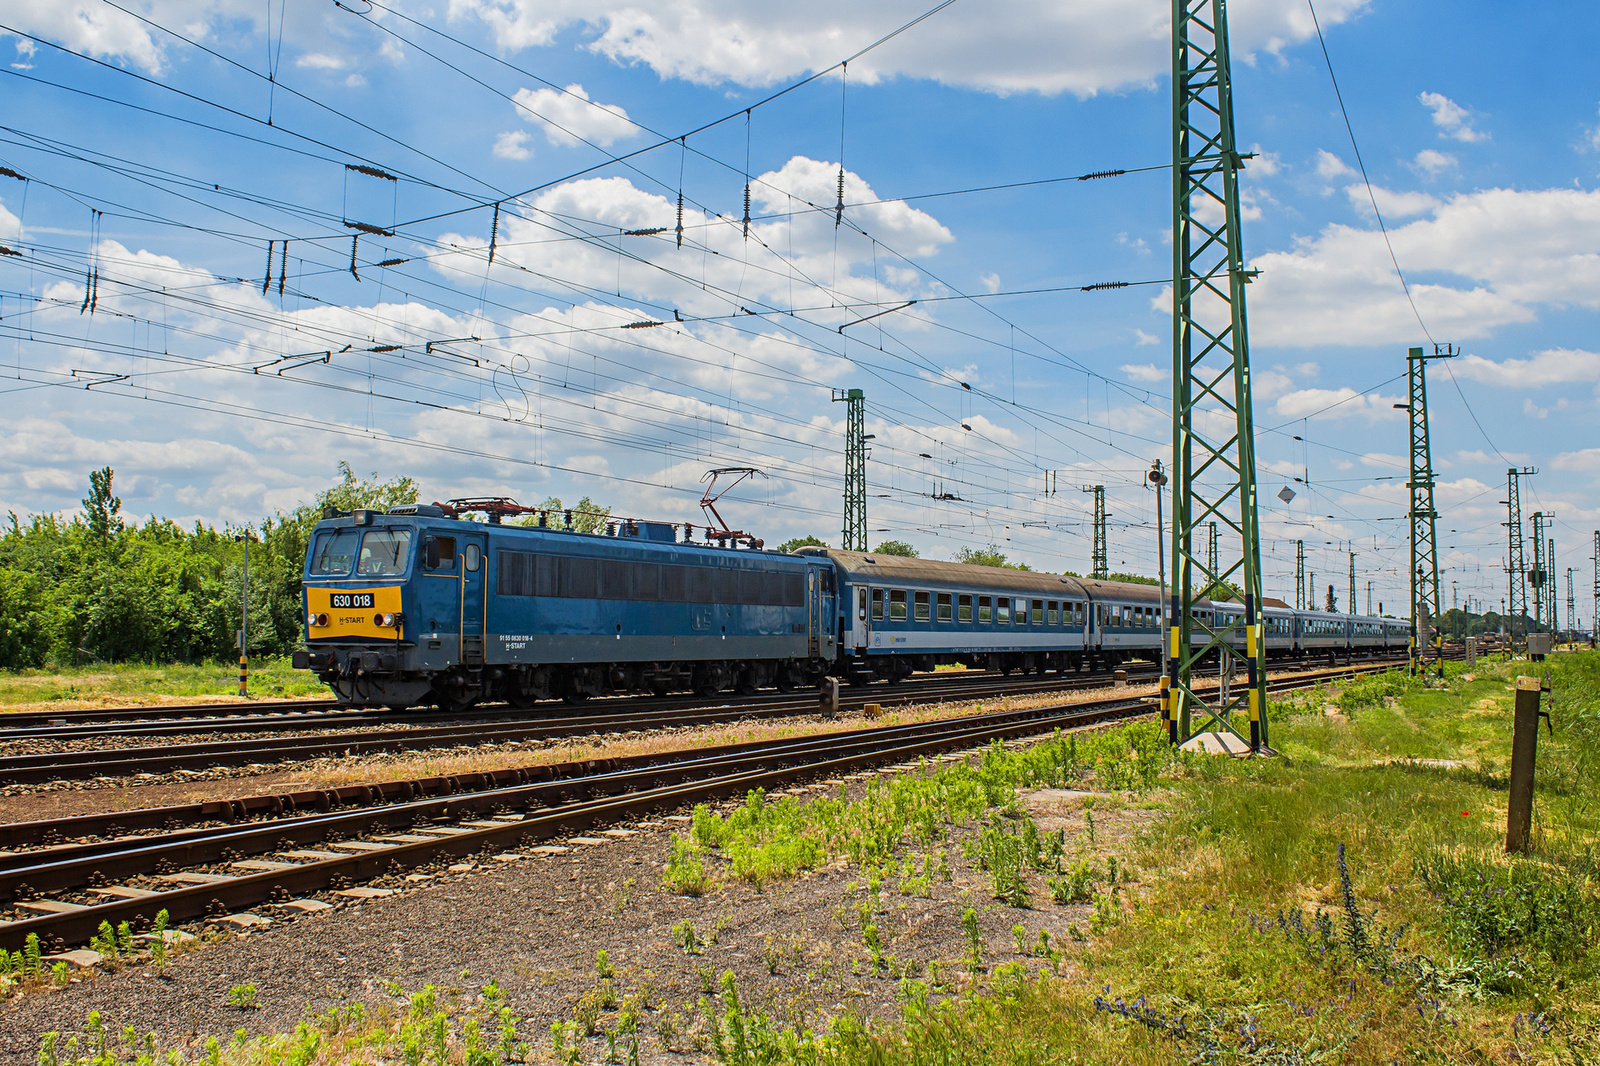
(877, 568)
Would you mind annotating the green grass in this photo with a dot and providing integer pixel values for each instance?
(109, 684)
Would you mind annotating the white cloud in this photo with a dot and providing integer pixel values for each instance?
(1331, 166)
(991, 282)
(513, 144)
(1557, 366)
(570, 116)
(1453, 120)
(1265, 163)
(1308, 370)
(1533, 410)
(320, 61)
(1431, 162)
(1337, 403)
(1049, 46)
(1141, 338)
(1147, 372)
(1392, 204)
(1513, 251)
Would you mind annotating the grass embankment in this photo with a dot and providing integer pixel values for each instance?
(1348, 902)
(135, 684)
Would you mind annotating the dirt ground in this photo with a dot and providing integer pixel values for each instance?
(535, 923)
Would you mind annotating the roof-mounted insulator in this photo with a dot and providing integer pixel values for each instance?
(1100, 286)
(371, 172)
(1100, 174)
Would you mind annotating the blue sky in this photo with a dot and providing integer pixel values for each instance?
(1480, 132)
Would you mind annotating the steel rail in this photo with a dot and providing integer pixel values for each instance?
(645, 785)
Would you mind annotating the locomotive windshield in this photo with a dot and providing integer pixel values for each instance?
(334, 552)
(384, 553)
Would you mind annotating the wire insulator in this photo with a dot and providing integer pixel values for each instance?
(680, 218)
(643, 323)
(747, 210)
(354, 241)
(283, 264)
(1101, 286)
(644, 232)
(94, 291)
(371, 172)
(88, 280)
(393, 262)
(1100, 174)
(494, 233)
(266, 282)
(8, 251)
(838, 208)
(7, 172)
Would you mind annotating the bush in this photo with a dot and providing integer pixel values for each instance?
(1527, 908)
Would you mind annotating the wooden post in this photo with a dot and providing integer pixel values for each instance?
(1524, 743)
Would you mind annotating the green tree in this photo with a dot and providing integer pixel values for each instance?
(587, 516)
(102, 510)
(990, 556)
(897, 547)
(794, 544)
(1132, 579)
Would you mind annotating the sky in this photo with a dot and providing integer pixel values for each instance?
(253, 240)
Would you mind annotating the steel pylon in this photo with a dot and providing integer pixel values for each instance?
(855, 469)
(1425, 609)
(1213, 436)
(1516, 568)
(1099, 565)
(1299, 575)
(1536, 576)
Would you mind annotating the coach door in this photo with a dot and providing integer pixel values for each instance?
(474, 568)
(813, 615)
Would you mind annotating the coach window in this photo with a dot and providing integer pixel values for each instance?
(897, 605)
(1052, 615)
(1003, 610)
(985, 612)
(920, 602)
(877, 605)
(1038, 612)
(861, 603)
(964, 608)
(944, 607)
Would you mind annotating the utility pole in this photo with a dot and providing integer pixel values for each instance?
(1594, 630)
(1369, 599)
(1424, 541)
(855, 469)
(1350, 605)
(244, 616)
(1211, 552)
(1099, 568)
(1536, 576)
(1516, 570)
(1300, 575)
(1572, 604)
(1213, 456)
(1551, 571)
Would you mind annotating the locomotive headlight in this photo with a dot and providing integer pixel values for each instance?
(382, 620)
(311, 619)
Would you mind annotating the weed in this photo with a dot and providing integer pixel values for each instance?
(602, 965)
(686, 874)
(243, 997)
(1076, 885)
(969, 926)
(770, 956)
(1019, 932)
(683, 935)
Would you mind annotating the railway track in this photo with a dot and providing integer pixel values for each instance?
(212, 859)
(156, 759)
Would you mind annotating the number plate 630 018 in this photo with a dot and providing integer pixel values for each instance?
(350, 599)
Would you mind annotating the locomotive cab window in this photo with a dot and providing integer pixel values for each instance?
(335, 551)
(964, 608)
(877, 605)
(944, 607)
(384, 553)
(985, 611)
(920, 603)
(897, 605)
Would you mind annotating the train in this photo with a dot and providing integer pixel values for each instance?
(421, 605)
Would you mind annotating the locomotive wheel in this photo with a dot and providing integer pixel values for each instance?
(748, 682)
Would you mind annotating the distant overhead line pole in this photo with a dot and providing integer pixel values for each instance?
(1516, 568)
(1425, 610)
(855, 469)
